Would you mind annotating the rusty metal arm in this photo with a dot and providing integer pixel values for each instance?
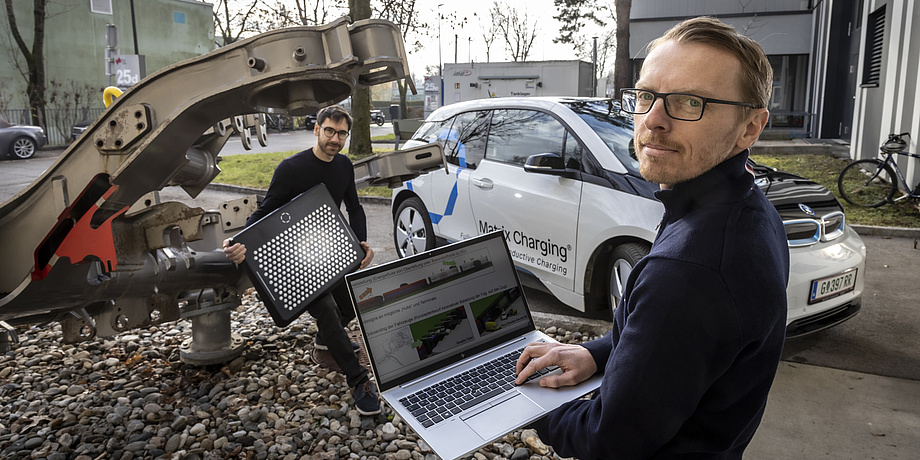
(85, 236)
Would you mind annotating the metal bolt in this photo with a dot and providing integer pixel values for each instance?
(300, 54)
(256, 63)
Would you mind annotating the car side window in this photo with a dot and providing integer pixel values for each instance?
(516, 134)
(573, 150)
(446, 133)
(434, 131)
(469, 135)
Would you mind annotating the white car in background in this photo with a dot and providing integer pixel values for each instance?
(559, 178)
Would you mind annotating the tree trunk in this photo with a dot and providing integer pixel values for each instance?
(622, 68)
(35, 58)
(403, 94)
(361, 99)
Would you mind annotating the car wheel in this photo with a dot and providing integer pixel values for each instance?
(620, 265)
(412, 230)
(22, 148)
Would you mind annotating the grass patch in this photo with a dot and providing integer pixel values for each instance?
(255, 170)
(386, 138)
(824, 170)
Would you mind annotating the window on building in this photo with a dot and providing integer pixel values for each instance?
(788, 99)
(101, 6)
(872, 59)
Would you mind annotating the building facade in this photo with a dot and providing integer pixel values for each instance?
(478, 80)
(843, 69)
(163, 31)
(887, 99)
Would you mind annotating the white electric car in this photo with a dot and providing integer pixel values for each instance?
(559, 178)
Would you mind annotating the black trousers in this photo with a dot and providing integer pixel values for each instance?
(329, 321)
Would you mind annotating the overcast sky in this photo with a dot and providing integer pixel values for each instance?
(470, 42)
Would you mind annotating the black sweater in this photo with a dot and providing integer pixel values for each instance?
(301, 172)
(697, 338)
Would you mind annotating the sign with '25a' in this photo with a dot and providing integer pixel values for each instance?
(129, 69)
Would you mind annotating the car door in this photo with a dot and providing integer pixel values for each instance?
(464, 147)
(538, 213)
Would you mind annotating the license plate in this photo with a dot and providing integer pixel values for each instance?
(832, 286)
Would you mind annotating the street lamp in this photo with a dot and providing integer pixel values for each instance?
(440, 72)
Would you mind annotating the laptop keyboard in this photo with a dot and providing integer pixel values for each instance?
(450, 397)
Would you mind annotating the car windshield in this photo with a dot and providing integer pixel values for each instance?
(613, 126)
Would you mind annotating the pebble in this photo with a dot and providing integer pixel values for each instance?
(131, 397)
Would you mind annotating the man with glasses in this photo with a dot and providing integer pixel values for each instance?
(296, 174)
(697, 336)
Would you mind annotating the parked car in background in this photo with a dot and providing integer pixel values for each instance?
(559, 177)
(79, 127)
(20, 141)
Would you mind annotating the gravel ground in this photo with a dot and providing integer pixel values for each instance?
(130, 397)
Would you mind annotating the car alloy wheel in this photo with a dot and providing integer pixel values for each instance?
(622, 261)
(22, 148)
(412, 230)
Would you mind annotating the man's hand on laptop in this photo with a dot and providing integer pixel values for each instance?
(236, 252)
(576, 363)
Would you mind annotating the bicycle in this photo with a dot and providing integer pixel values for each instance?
(870, 183)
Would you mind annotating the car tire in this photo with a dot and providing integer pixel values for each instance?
(620, 264)
(22, 148)
(412, 229)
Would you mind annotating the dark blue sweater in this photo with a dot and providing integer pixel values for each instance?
(697, 338)
(301, 172)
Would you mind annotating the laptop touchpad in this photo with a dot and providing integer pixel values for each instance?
(503, 416)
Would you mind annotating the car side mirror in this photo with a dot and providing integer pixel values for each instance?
(548, 163)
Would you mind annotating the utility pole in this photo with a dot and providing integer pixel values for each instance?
(594, 69)
(134, 28)
(440, 64)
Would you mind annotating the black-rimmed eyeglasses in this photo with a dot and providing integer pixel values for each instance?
(679, 106)
(329, 132)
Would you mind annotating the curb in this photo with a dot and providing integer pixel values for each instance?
(595, 327)
(903, 232)
(261, 193)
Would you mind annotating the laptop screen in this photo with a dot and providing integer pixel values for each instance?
(424, 312)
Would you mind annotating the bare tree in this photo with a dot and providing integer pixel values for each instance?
(232, 19)
(515, 28)
(34, 57)
(573, 14)
(6, 97)
(279, 13)
(606, 49)
(70, 102)
(489, 35)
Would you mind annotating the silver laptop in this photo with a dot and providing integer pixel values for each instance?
(443, 331)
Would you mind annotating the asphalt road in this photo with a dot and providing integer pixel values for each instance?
(883, 339)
